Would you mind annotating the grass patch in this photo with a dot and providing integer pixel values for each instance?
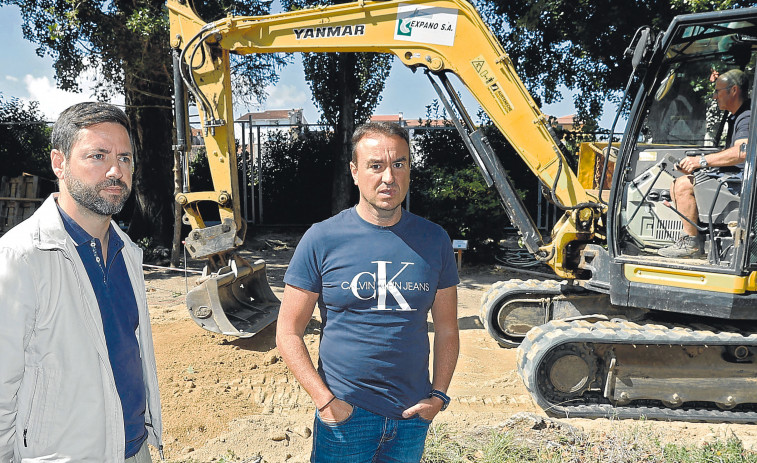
(729, 451)
(552, 442)
(441, 447)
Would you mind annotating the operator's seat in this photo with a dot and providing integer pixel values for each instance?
(718, 201)
(717, 198)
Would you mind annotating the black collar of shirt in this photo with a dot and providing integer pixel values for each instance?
(744, 106)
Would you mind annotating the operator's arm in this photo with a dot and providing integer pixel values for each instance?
(727, 157)
(446, 349)
(17, 313)
(297, 307)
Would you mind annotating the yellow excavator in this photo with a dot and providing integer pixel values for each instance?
(622, 332)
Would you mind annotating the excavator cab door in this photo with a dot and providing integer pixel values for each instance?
(676, 116)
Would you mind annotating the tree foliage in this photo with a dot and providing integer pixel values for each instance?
(24, 139)
(447, 187)
(297, 177)
(580, 44)
(123, 45)
(347, 88)
(367, 74)
(251, 74)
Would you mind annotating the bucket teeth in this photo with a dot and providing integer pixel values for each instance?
(235, 301)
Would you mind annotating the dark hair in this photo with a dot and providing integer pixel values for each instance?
(80, 116)
(388, 129)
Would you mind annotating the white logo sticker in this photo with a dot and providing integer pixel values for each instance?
(378, 285)
(426, 24)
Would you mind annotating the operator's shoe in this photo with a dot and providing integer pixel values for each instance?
(686, 247)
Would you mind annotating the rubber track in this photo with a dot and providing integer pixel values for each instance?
(541, 340)
(508, 288)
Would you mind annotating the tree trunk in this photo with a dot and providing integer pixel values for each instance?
(152, 125)
(341, 191)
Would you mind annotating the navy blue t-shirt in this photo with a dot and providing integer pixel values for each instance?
(376, 286)
(738, 127)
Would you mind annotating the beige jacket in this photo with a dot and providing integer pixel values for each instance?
(58, 398)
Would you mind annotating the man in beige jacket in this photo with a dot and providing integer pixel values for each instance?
(78, 379)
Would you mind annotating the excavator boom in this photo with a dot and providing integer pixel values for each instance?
(441, 37)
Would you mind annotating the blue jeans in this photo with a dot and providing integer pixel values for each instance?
(365, 437)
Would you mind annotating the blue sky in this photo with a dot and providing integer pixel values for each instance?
(26, 76)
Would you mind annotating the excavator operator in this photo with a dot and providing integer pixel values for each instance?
(731, 89)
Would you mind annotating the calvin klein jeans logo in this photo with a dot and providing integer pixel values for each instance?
(381, 286)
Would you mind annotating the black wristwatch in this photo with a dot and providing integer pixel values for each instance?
(439, 394)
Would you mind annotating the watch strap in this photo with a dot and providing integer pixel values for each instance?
(442, 396)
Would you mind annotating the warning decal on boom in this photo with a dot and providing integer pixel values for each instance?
(488, 77)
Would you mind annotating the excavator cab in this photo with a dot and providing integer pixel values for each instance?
(659, 337)
(676, 117)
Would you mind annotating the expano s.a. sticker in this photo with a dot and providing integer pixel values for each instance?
(426, 24)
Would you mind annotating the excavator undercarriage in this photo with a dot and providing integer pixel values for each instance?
(622, 369)
(580, 356)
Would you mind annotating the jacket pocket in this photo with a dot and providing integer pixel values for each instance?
(38, 406)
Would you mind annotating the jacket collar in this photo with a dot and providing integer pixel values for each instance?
(50, 232)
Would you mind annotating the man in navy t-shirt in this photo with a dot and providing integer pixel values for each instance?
(375, 271)
(731, 90)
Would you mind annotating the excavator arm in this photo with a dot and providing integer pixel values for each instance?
(438, 36)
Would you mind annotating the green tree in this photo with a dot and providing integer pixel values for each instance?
(125, 45)
(24, 139)
(447, 187)
(296, 168)
(580, 44)
(347, 88)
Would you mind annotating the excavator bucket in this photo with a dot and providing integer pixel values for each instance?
(235, 301)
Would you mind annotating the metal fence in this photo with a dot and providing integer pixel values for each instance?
(253, 140)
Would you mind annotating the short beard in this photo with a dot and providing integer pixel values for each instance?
(90, 198)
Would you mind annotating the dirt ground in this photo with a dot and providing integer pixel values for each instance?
(232, 399)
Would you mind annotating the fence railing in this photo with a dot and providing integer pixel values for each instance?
(19, 198)
(254, 137)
